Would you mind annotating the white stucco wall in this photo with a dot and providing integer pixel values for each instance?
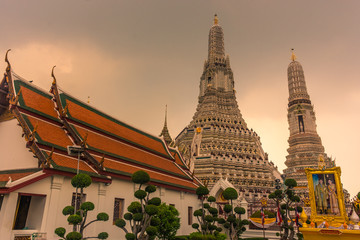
(16, 155)
(58, 191)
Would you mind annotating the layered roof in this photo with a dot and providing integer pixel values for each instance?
(53, 120)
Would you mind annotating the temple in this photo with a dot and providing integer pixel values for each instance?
(37, 127)
(305, 147)
(217, 143)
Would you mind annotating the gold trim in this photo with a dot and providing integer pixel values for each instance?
(330, 218)
(6, 116)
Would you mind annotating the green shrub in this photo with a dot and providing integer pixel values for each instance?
(103, 235)
(211, 199)
(239, 210)
(81, 180)
(230, 194)
(68, 210)
(291, 183)
(138, 217)
(269, 214)
(227, 208)
(140, 177)
(74, 219)
(73, 236)
(150, 189)
(134, 207)
(102, 217)
(202, 191)
(120, 223)
(60, 231)
(128, 216)
(150, 230)
(87, 206)
(140, 194)
(130, 236)
(151, 209)
(155, 201)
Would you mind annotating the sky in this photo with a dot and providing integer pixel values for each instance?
(134, 57)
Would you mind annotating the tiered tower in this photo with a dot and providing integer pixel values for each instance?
(305, 147)
(217, 141)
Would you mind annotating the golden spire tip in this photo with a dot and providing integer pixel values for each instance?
(216, 20)
(293, 57)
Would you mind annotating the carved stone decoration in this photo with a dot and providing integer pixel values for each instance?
(225, 147)
(305, 146)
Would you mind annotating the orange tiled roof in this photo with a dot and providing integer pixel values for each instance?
(112, 126)
(4, 177)
(122, 150)
(70, 162)
(48, 132)
(155, 176)
(177, 158)
(38, 102)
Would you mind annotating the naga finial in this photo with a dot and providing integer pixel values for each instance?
(216, 19)
(53, 76)
(293, 57)
(7, 60)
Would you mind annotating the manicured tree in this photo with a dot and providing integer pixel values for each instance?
(286, 200)
(207, 216)
(141, 213)
(78, 218)
(232, 222)
(169, 222)
(204, 220)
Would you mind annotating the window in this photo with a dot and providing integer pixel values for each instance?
(190, 215)
(172, 204)
(77, 200)
(118, 209)
(29, 211)
(22, 211)
(301, 123)
(1, 200)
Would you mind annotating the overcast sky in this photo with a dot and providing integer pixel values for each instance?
(134, 57)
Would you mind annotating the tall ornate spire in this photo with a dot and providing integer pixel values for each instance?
(217, 72)
(217, 140)
(216, 41)
(305, 145)
(296, 82)
(165, 132)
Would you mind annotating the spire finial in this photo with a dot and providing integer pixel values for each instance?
(165, 115)
(53, 76)
(293, 57)
(216, 20)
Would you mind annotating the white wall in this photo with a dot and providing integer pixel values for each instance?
(16, 156)
(58, 191)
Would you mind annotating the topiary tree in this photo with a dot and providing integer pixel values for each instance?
(204, 216)
(209, 220)
(78, 218)
(167, 222)
(232, 222)
(141, 216)
(286, 200)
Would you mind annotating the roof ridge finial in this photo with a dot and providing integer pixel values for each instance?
(293, 57)
(216, 19)
(7, 60)
(53, 76)
(165, 124)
